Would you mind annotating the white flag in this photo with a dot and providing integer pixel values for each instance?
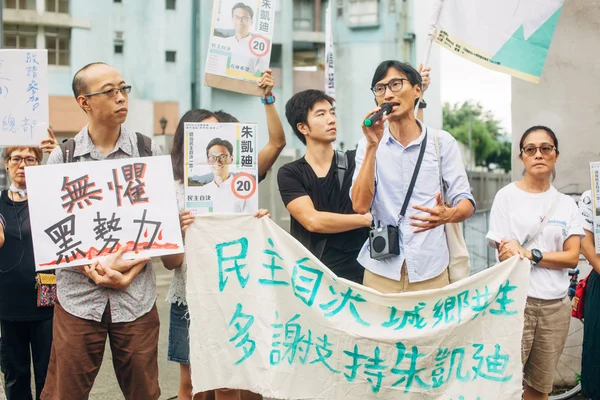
(329, 60)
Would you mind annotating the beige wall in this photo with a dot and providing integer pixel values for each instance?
(66, 118)
(567, 98)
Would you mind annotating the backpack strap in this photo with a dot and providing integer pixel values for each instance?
(341, 160)
(68, 149)
(144, 145)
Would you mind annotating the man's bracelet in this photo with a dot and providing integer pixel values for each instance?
(2, 222)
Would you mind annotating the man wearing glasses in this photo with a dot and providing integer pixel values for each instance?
(385, 160)
(242, 59)
(119, 304)
(219, 155)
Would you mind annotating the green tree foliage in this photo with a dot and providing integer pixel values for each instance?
(490, 144)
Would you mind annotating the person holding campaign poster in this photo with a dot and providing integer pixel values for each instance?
(217, 153)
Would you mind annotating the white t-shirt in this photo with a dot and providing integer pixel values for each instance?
(517, 215)
(224, 200)
(242, 57)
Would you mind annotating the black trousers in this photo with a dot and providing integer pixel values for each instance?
(22, 342)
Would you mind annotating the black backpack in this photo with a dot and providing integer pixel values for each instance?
(144, 145)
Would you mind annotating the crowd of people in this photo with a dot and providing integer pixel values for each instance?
(337, 201)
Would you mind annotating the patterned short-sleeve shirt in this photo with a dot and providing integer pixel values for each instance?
(78, 294)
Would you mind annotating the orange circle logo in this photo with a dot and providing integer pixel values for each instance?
(243, 185)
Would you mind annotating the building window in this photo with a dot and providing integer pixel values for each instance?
(19, 36)
(118, 1)
(363, 13)
(20, 4)
(58, 43)
(171, 4)
(171, 56)
(304, 15)
(119, 47)
(59, 6)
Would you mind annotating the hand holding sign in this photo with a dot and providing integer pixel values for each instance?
(49, 144)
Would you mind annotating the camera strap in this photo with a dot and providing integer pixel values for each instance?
(413, 180)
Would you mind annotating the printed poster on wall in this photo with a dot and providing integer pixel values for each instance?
(595, 174)
(23, 97)
(240, 43)
(221, 168)
(267, 316)
(88, 210)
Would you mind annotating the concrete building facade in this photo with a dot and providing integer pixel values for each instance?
(566, 99)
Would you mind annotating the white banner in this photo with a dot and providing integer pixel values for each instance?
(221, 168)
(23, 97)
(329, 56)
(510, 36)
(267, 316)
(87, 210)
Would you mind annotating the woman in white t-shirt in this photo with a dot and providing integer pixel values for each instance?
(518, 212)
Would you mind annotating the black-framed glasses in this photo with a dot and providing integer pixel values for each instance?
(395, 85)
(29, 161)
(223, 159)
(112, 92)
(545, 149)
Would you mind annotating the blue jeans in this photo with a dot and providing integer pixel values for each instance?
(179, 335)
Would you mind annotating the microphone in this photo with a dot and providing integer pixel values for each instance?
(386, 108)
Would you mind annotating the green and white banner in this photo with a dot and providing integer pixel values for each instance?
(510, 36)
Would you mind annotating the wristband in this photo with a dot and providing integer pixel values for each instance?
(270, 99)
(2, 222)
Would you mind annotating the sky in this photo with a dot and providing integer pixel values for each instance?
(463, 80)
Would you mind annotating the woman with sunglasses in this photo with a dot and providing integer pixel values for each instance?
(531, 219)
(25, 328)
(218, 156)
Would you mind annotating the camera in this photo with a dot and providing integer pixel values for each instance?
(384, 243)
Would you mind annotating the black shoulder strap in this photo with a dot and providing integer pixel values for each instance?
(414, 178)
(341, 160)
(68, 148)
(144, 145)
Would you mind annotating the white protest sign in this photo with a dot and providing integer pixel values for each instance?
(87, 210)
(221, 168)
(595, 174)
(267, 316)
(240, 44)
(23, 97)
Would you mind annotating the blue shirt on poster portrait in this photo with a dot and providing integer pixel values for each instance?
(426, 253)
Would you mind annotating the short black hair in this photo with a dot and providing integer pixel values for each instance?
(298, 107)
(220, 142)
(244, 7)
(222, 116)
(413, 76)
(79, 84)
(178, 150)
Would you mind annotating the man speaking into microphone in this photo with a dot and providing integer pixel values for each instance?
(397, 179)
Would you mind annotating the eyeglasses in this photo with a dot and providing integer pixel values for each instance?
(112, 92)
(395, 85)
(545, 149)
(29, 161)
(244, 19)
(223, 159)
